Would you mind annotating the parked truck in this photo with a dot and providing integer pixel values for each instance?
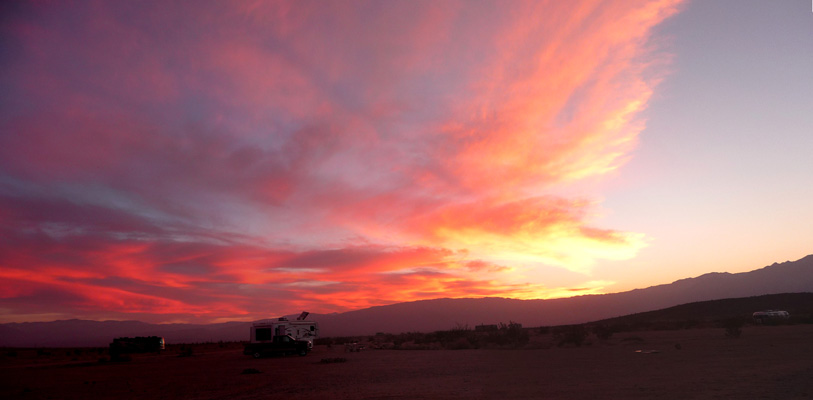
(278, 345)
(264, 331)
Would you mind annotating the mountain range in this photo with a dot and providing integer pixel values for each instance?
(441, 314)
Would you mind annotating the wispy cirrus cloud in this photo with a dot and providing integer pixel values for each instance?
(210, 157)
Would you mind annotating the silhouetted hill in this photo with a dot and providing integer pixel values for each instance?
(441, 314)
(799, 305)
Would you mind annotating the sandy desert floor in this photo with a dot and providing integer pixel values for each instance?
(765, 362)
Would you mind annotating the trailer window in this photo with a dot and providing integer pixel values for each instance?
(263, 334)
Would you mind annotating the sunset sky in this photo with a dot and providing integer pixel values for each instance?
(206, 161)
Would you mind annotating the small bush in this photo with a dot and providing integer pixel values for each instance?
(333, 360)
(603, 332)
(511, 334)
(733, 328)
(575, 334)
(121, 358)
(186, 351)
(458, 338)
(460, 344)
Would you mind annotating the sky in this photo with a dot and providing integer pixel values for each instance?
(212, 161)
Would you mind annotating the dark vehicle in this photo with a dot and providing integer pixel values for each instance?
(281, 345)
(139, 344)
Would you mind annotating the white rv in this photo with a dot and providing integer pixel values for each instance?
(263, 331)
(770, 316)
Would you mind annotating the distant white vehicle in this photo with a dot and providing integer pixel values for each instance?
(770, 316)
(263, 331)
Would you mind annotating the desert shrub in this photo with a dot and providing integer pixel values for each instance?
(334, 340)
(510, 334)
(419, 346)
(186, 351)
(461, 344)
(603, 332)
(333, 360)
(574, 334)
(121, 358)
(409, 339)
(417, 337)
(383, 340)
(515, 334)
(458, 338)
(382, 337)
(425, 338)
(733, 327)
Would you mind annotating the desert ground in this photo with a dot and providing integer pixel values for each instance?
(771, 362)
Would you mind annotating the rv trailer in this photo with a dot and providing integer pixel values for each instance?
(770, 316)
(265, 330)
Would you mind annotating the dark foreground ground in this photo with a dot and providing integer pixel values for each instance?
(765, 362)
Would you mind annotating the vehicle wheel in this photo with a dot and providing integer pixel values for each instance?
(257, 354)
(303, 352)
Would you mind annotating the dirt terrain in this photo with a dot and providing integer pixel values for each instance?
(765, 362)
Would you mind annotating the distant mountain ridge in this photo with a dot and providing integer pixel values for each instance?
(439, 314)
(81, 333)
